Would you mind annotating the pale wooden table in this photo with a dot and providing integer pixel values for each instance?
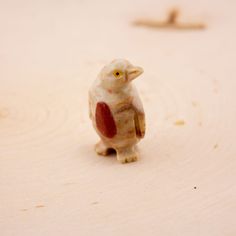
(51, 180)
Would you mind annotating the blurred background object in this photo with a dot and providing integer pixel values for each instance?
(171, 22)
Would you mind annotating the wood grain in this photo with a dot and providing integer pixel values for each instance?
(51, 180)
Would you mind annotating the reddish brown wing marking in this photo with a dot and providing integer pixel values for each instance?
(104, 120)
(137, 126)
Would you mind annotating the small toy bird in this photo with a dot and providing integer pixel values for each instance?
(116, 110)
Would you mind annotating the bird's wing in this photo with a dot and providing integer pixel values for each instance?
(104, 120)
(139, 117)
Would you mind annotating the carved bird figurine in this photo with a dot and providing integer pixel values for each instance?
(116, 110)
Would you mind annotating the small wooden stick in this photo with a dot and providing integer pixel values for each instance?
(171, 23)
(172, 17)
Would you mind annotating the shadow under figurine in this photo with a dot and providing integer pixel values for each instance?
(116, 110)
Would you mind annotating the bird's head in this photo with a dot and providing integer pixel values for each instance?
(118, 74)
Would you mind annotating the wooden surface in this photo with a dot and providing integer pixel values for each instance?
(51, 180)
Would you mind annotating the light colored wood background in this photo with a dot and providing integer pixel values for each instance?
(51, 180)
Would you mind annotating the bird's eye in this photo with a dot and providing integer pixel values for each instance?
(117, 74)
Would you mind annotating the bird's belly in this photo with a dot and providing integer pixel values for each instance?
(126, 134)
(123, 115)
(125, 123)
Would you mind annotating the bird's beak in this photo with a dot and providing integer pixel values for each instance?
(133, 72)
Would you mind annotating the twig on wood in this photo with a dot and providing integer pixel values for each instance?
(171, 22)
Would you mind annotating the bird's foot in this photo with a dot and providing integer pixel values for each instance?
(127, 154)
(101, 148)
